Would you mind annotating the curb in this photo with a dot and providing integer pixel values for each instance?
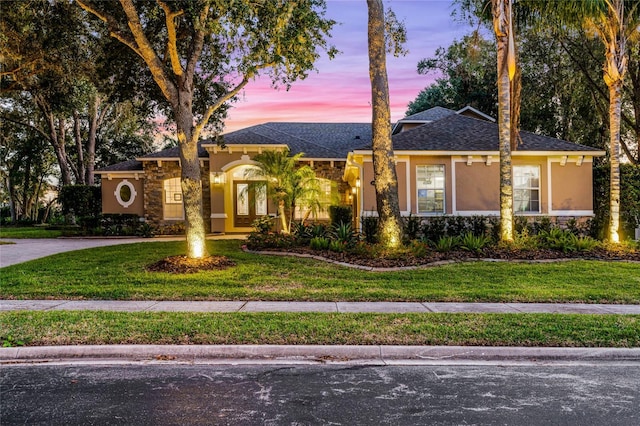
(374, 354)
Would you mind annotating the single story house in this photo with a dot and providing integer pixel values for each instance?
(447, 163)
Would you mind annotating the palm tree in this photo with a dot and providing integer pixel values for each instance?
(287, 183)
(618, 27)
(503, 28)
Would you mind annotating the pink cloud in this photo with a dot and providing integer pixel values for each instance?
(340, 90)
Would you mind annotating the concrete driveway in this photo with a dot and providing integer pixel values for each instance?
(29, 249)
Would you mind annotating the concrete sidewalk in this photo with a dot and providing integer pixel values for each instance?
(336, 307)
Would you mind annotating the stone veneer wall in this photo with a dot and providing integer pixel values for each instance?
(324, 170)
(153, 191)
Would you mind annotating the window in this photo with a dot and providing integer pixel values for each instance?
(526, 189)
(430, 186)
(326, 196)
(172, 206)
(125, 193)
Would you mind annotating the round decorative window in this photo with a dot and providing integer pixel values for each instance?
(125, 193)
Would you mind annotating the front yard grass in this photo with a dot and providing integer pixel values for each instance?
(118, 272)
(69, 328)
(29, 232)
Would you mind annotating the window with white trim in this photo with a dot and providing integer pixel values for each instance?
(430, 186)
(526, 189)
(317, 207)
(172, 200)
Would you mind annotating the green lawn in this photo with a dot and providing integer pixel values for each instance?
(67, 328)
(29, 232)
(117, 272)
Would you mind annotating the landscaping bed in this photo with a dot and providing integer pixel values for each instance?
(405, 258)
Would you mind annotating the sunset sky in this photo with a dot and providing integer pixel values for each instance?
(340, 90)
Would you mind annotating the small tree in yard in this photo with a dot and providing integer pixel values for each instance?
(201, 54)
(288, 184)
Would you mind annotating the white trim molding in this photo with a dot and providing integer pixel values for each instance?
(571, 213)
(132, 190)
(218, 216)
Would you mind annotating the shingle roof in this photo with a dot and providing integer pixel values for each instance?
(460, 133)
(174, 153)
(315, 140)
(431, 114)
(125, 166)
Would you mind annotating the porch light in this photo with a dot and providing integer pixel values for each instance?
(354, 189)
(357, 182)
(218, 178)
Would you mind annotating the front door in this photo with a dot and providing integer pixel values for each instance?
(250, 203)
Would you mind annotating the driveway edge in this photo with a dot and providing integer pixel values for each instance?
(374, 354)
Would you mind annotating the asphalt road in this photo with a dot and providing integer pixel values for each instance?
(176, 394)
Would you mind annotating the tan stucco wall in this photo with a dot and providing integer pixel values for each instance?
(572, 186)
(368, 191)
(477, 187)
(110, 204)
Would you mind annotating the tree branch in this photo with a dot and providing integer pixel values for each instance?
(172, 40)
(207, 116)
(22, 123)
(197, 43)
(147, 53)
(115, 30)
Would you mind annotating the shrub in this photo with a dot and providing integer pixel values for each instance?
(337, 246)
(81, 200)
(340, 214)
(319, 243)
(370, 229)
(263, 224)
(434, 228)
(584, 243)
(271, 240)
(344, 233)
(411, 227)
(542, 224)
(419, 249)
(558, 239)
(473, 243)
(445, 244)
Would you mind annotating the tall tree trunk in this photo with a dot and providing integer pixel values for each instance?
(56, 139)
(384, 170)
(615, 106)
(501, 26)
(95, 118)
(25, 188)
(191, 181)
(77, 134)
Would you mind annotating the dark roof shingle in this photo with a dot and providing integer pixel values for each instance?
(124, 166)
(315, 140)
(460, 133)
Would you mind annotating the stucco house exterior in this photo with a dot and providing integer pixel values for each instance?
(447, 164)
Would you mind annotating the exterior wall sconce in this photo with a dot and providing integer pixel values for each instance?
(357, 182)
(354, 189)
(218, 178)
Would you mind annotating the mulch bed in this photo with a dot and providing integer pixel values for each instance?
(407, 259)
(185, 265)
